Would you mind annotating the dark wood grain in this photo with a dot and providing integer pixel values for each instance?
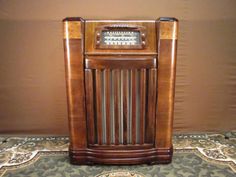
(90, 33)
(150, 121)
(142, 104)
(166, 83)
(90, 105)
(74, 67)
(121, 63)
(133, 88)
(99, 105)
(125, 105)
(131, 156)
(117, 104)
(108, 107)
(123, 146)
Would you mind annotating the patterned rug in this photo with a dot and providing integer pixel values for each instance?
(194, 155)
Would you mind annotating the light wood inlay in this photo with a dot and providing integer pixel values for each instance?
(168, 30)
(72, 30)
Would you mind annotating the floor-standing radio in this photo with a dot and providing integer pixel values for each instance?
(120, 77)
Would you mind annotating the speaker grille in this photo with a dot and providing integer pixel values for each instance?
(121, 106)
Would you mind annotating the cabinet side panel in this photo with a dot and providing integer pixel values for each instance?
(74, 66)
(167, 43)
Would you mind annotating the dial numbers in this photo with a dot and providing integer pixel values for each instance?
(120, 38)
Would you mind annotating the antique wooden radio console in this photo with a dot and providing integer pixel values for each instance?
(120, 77)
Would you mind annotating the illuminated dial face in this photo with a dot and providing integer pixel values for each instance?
(120, 37)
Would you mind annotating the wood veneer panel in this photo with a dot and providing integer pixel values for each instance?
(121, 63)
(90, 105)
(150, 119)
(90, 45)
(166, 82)
(142, 104)
(125, 105)
(133, 88)
(74, 66)
(108, 105)
(99, 105)
(117, 104)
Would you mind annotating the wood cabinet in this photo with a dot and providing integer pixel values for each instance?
(120, 77)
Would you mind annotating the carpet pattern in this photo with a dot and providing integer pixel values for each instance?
(194, 155)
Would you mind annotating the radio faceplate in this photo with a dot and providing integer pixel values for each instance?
(120, 36)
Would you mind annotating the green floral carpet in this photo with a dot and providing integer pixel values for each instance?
(203, 155)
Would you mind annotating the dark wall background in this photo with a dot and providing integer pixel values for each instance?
(32, 84)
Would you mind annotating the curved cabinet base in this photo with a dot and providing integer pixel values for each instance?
(121, 157)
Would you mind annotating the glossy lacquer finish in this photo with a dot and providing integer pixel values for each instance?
(120, 98)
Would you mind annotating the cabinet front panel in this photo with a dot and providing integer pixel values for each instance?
(121, 106)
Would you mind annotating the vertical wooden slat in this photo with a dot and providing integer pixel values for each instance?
(150, 119)
(133, 88)
(125, 105)
(142, 104)
(99, 105)
(116, 104)
(90, 105)
(108, 97)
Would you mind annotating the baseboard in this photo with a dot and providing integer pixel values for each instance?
(121, 157)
